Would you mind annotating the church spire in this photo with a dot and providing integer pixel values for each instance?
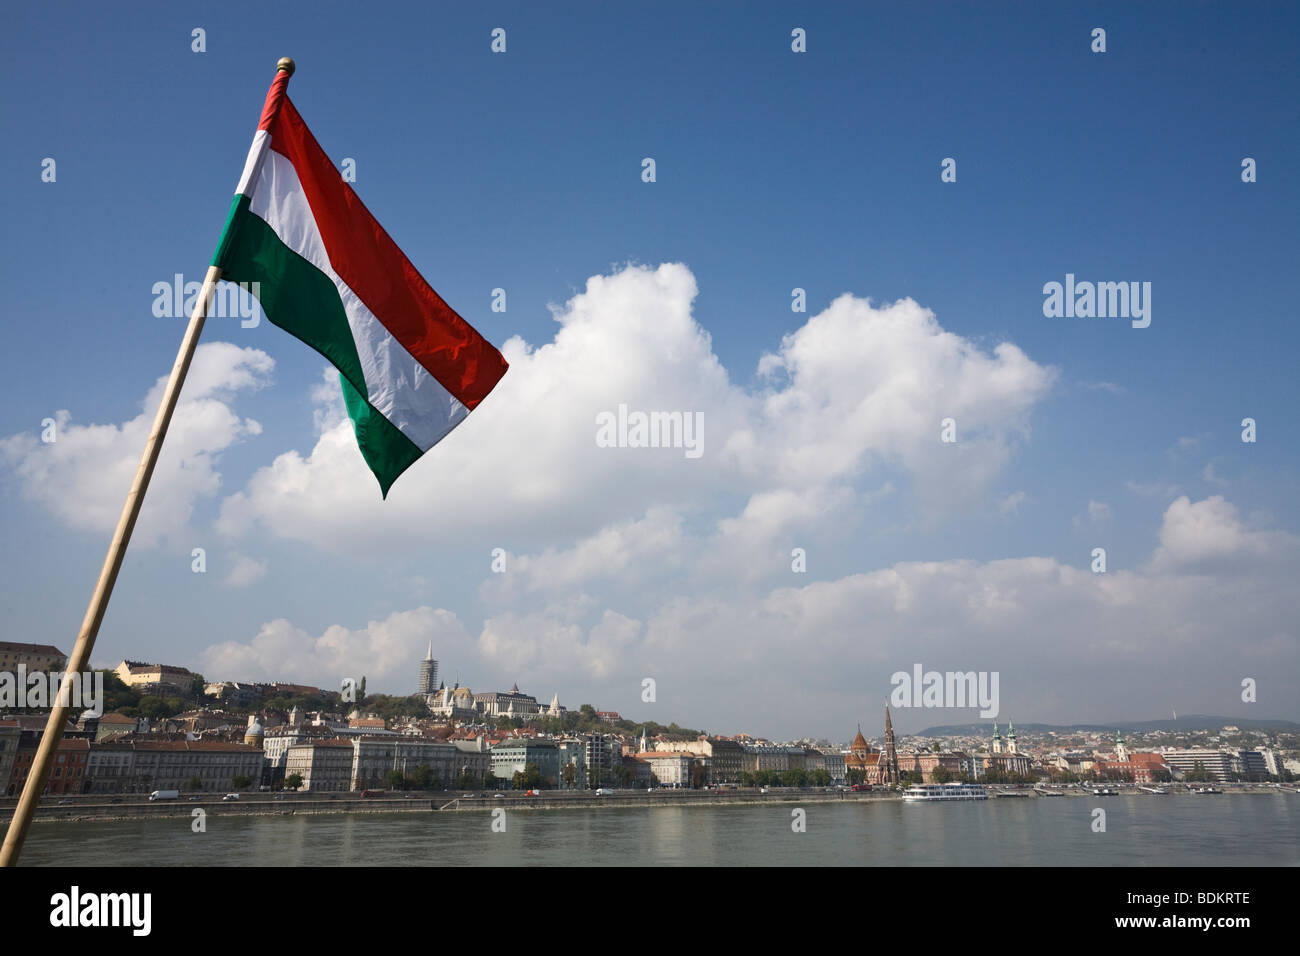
(888, 761)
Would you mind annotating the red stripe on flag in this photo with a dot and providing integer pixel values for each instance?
(372, 265)
(274, 97)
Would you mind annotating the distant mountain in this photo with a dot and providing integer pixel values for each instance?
(1191, 722)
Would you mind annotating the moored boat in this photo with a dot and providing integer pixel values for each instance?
(941, 792)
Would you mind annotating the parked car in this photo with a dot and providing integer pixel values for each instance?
(604, 792)
(230, 796)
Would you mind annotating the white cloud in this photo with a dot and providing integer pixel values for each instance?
(1012, 502)
(1155, 489)
(814, 658)
(1208, 537)
(1098, 513)
(1211, 477)
(245, 571)
(855, 397)
(386, 652)
(83, 476)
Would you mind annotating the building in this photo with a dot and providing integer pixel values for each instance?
(473, 762)
(639, 772)
(1218, 763)
(836, 766)
(33, 657)
(236, 693)
(428, 673)
(726, 757)
(1254, 765)
(886, 771)
(925, 765)
(374, 757)
(277, 741)
(114, 725)
(325, 766)
(573, 753)
(604, 752)
(772, 758)
(177, 764)
(67, 773)
(861, 758)
(254, 733)
(155, 678)
(1271, 763)
(670, 769)
(515, 754)
(10, 733)
(511, 703)
(453, 703)
(109, 767)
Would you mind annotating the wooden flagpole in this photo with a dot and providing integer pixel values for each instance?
(54, 727)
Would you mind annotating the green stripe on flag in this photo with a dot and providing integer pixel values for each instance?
(303, 301)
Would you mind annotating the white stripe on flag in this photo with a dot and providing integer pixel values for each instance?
(398, 386)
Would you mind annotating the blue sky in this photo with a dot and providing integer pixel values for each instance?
(775, 170)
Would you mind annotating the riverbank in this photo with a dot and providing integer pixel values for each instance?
(110, 808)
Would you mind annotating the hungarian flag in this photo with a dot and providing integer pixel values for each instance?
(410, 367)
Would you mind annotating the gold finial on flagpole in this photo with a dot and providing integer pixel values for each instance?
(285, 65)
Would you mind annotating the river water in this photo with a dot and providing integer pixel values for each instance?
(1220, 830)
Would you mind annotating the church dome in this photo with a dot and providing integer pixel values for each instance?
(255, 733)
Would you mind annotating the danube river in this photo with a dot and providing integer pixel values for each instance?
(1209, 830)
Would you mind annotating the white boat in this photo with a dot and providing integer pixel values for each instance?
(939, 792)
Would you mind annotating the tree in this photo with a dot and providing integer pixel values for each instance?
(820, 778)
(194, 783)
(570, 774)
(746, 778)
(794, 777)
(854, 775)
(395, 779)
(1198, 773)
(699, 775)
(941, 774)
(423, 778)
(240, 781)
(622, 776)
(293, 781)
